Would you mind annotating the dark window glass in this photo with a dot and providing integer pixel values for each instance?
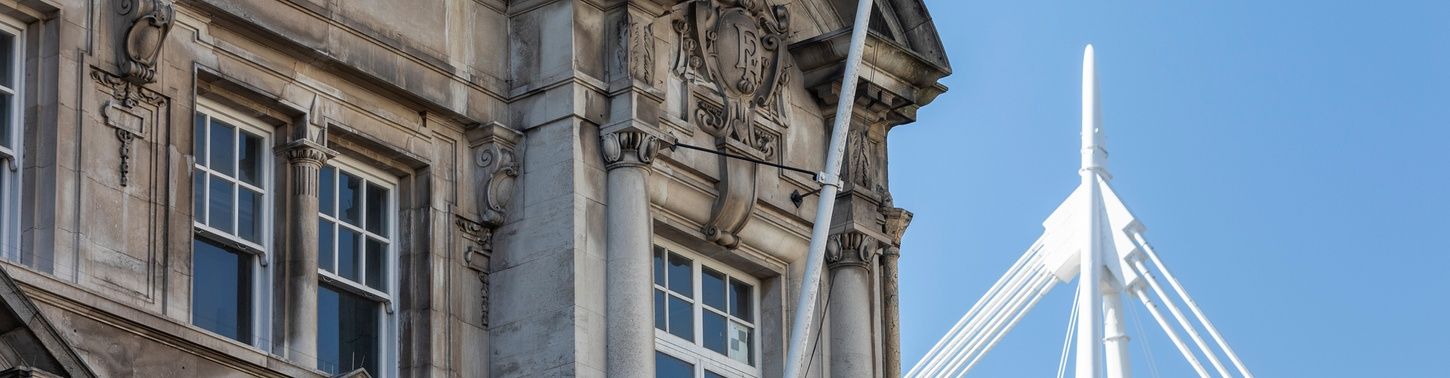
(712, 288)
(347, 332)
(249, 158)
(5, 100)
(348, 249)
(711, 374)
(680, 276)
(377, 209)
(198, 195)
(660, 309)
(670, 367)
(328, 192)
(7, 60)
(742, 300)
(198, 138)
(221, 295)
(659, 262)
(682, 322)
(349, 198)
(220, 200)
(223, 140)
(249, 215)
(325, 246)
(376, 264)
(714, 335)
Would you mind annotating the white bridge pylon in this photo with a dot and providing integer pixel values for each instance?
(1092, 235)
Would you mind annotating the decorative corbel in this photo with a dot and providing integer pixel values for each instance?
(477, 252)
(497, 165)
(897, 219)
(150, 22)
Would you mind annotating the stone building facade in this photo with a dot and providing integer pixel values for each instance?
(470, 188)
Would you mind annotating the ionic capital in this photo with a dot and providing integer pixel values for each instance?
(628, 148)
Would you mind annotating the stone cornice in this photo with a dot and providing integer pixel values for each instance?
(894, 68)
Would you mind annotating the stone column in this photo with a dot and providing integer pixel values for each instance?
(305, 159)
(850, 254)
(629, 303)
(896, 221)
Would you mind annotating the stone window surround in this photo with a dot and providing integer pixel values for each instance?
(12, 155)
(693, 352)
(389, 335)
(262, 289)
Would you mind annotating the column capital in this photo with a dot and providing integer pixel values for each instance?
(628, 148)
(306, 152)
(897, 219)
(851, 249)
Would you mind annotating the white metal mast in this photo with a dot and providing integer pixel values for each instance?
(1092, 236)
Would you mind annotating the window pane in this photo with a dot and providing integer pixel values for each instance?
(7, 60)
(328, 190)
(347, 332)
(376, 264)
(742, 300)
(667, 366)
(325, 247)
(249, 215)
(712, 288)
(198, 196)
(682, 322)
(714, 331)
(349, 198)
(198, 139)
(660, 309)
(249, 159)
(377, 209)
(219, 200)
(659, 262)
(223, 158)
(348, 249)
(221, 284)
(711, 374)
(5, 126)
(680, 275)
(741, 343)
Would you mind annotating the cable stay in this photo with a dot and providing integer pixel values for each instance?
(1093, 238)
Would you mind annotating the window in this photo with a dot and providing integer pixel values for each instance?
(355, 263)
(230, 188)
(704, 318)
(10, 138)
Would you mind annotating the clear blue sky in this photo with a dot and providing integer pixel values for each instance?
(1291, 160)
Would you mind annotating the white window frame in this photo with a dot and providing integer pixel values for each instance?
(388, 324)
(13, 156)
(261, 258)
(695, 351)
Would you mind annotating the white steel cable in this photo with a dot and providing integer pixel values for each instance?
(994, 304)
(1193, 306)
(1168, 329)
(995, 326)
(1067, 340)
(1147, 346)
(997, 306)
(1188, 327)
(1042, 292)
(1001, 281)
(989, 323)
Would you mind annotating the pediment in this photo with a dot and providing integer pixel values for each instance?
(906, 23)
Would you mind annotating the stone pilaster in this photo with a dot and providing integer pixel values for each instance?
(304, 162)
(849, 256)
(629, 304)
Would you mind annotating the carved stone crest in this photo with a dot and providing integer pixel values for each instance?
(737, 48)
(142, 41)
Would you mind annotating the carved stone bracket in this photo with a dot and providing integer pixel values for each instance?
(497, 165)
(477, 252)
(150, 22)
(128, 110)
(850, 249)
(897, 219)
(734, 50)
(628, 148)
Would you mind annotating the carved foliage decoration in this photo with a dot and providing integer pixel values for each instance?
(128, 111)
(637, 47)
(850, 248)
(150, 22)
(477, 251)
(737, 47)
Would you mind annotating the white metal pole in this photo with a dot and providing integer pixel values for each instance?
(954, 343)
(1193, 306)
(1116, 335)
(1188, 327)
(1168, 329)
(830, 183)
(996, 323)
(1030, 305)
(991, 292)
(1090, 326)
